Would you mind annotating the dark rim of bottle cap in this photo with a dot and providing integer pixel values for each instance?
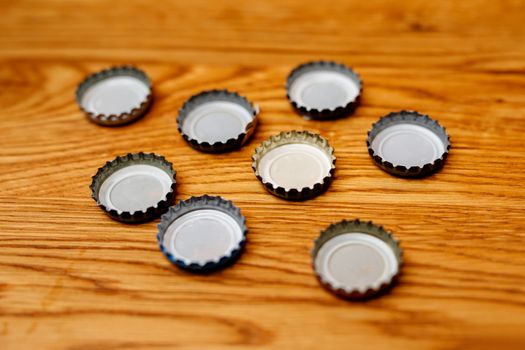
(134, 188)
(217, 121)
(323, 90)
(128, 85)
(356, 260)
(214, 229)
(421, 149)
(293, 150)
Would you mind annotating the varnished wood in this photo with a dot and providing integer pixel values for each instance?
(71, 278)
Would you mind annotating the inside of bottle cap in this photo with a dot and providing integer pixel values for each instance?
(203, 235)
(135, 188)
(114, 95)
(356, 261)
(216, 121)
(408, 144)
(324, 90)
(295, 166)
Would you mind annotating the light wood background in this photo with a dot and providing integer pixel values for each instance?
(71, 278)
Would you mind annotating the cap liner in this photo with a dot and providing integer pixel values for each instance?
(217, 121)
(294, 165)
(202, 234)
(323, 90)
(115, 96)
(356, 259)
(134, 188)
(408, 144)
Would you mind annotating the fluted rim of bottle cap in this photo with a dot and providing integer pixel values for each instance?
(122, 118)
(212, 96)
(120, 162)
(412, 117)
(291, 137)
(325, 113)
(364, 227)
(198, 203)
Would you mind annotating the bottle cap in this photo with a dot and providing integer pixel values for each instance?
(217, 121)
(408, 144)
(115, 96)
(134, 188)
(356, 260)
(202, 234)
(294, 165)
(323, 90)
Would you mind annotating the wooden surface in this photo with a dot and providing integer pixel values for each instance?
(71, 278)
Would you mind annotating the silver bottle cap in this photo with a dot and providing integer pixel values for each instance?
(356, 259)
(408, 144)
(115, 96)
(323, 90)
(217, 121)
(134, 188)
(202, 234)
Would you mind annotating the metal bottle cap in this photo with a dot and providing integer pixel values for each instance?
(202, 234)
(217, 121)
(323, 90)
(408, 144)
(115, 96)
(356, 259)
(295, 165)
(134, 188)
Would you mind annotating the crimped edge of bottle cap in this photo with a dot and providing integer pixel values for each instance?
(197, 203)
(130, 159)
(368, 227)
(327, 113)
(218, 95)
(115, 119)
(418, 119)
(290, 137)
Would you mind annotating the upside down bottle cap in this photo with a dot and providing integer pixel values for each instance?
(217, 121)
(323, 90)
(355, 259)
(115, 96)
(295, 165)
(134, 188)
(408, 144)
(202, 234)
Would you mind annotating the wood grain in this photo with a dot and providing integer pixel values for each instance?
(71, 278)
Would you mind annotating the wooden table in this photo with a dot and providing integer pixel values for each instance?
(71, 278)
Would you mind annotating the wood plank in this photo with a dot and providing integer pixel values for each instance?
(71, 278)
